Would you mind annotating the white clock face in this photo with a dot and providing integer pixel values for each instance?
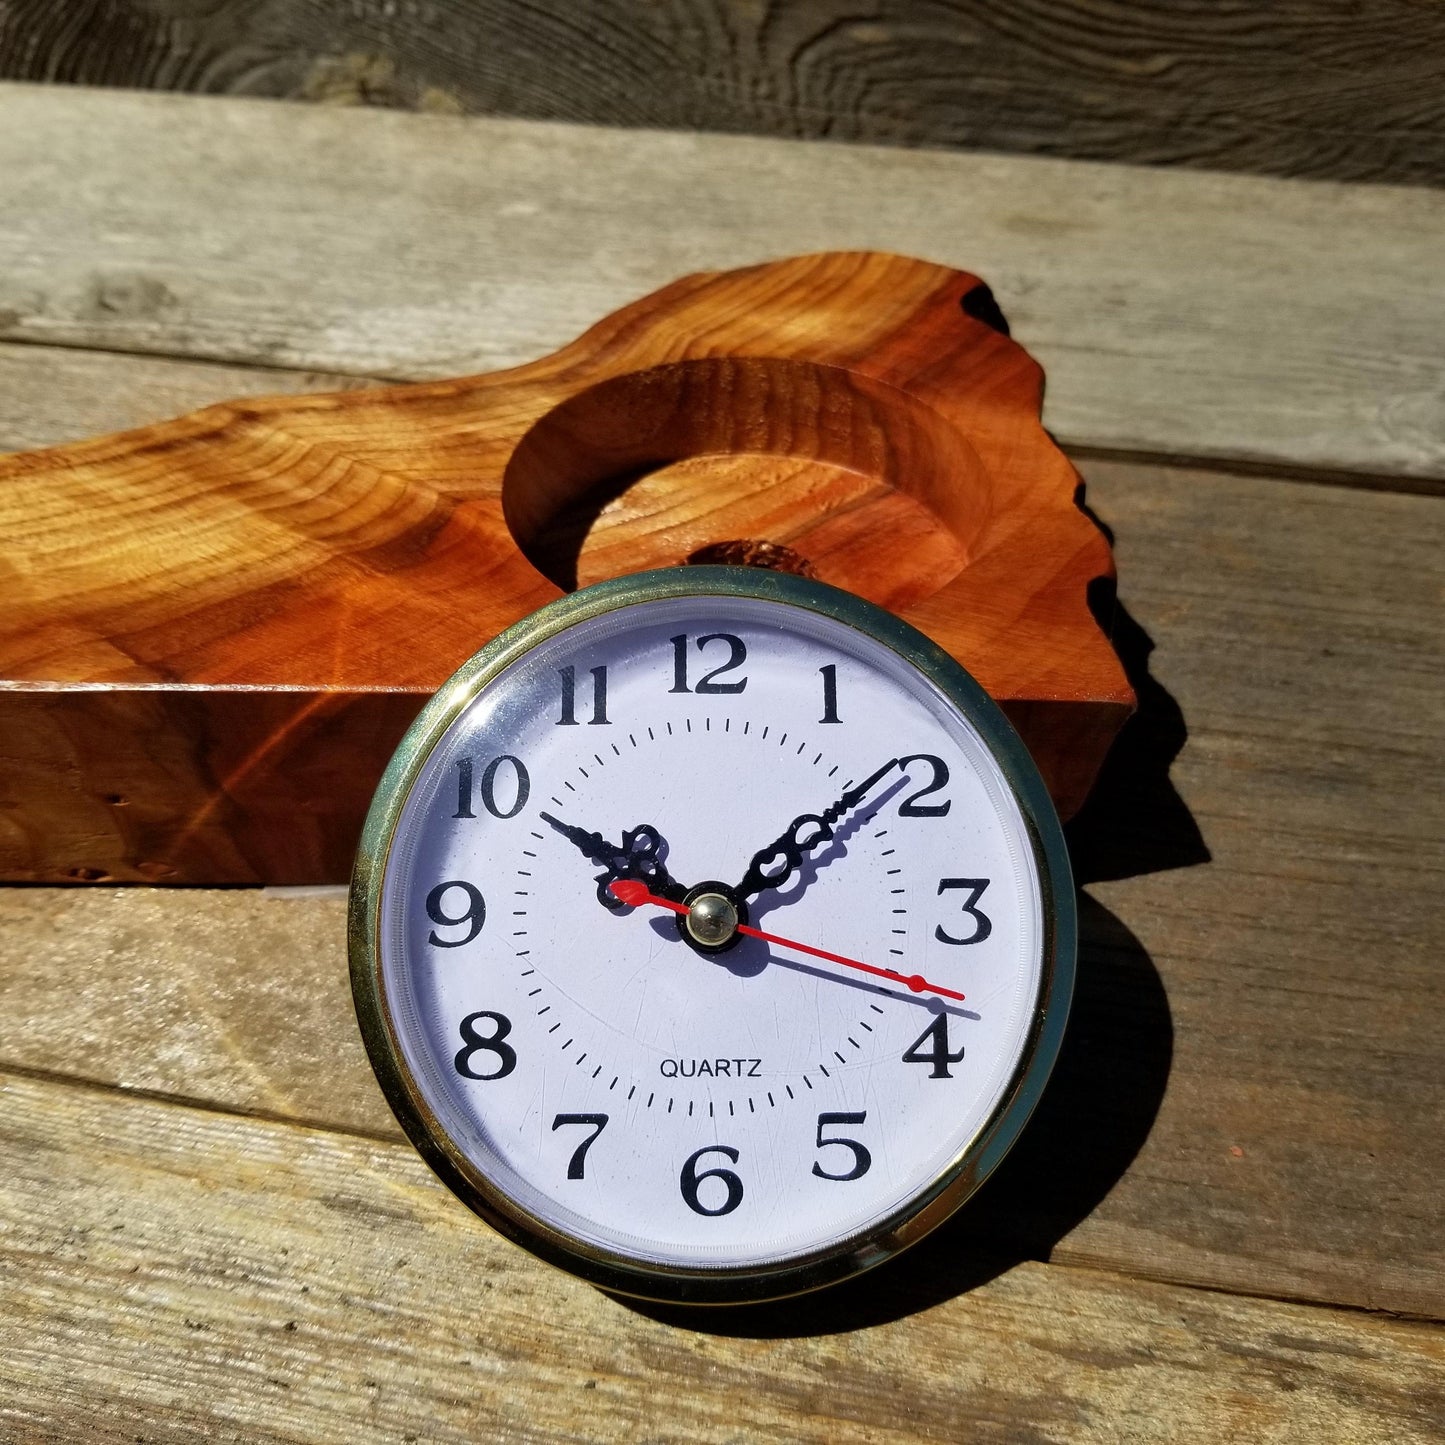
(604, 1064)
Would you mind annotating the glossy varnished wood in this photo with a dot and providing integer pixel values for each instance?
(220, 625)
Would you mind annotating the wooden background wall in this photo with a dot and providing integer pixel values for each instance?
(1321, 88)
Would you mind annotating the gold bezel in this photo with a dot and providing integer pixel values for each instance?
(953, 1184)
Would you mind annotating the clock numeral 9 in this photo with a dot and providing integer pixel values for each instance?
(691, 1180)
(489, 787)
(474, 915)
(862, 1159)
(937, 1054)
(473, 1043)
(982, 923)
(738, 654)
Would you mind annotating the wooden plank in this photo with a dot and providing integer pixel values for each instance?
(50, 394)
(1307, 87)
(1250, 1095)
(1175, 313)
(1297, 628)
(319, 552)
(203, 1276)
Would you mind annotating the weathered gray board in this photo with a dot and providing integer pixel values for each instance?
(1295, 87)
(208, 1224)
(1182, 314)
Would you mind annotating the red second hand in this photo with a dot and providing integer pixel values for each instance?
(633, 891)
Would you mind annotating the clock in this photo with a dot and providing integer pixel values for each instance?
(712, 934)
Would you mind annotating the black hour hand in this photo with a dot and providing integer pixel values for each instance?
(636, 857)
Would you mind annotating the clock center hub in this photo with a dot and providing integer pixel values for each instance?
(712, 919)
(710, 924)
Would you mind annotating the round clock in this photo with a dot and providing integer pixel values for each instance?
(712, 934)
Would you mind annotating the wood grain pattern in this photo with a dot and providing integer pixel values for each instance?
(1250, 1096)
(208, 1277)
(1307, 88)
(272, 587)
(1184, 315)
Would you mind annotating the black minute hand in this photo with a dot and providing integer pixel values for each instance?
(636, 857)
(788, 850)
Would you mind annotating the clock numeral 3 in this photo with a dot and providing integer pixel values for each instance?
(597, 1123)
(692, 1179)
(862, 1159)
(474, 915)
(737, 656)
(983, 924)
(473, 1043)
(937, 1054)
(569, 697)
(489, 787)
(910, 807)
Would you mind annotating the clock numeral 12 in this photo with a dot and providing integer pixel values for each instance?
(569, 697)
(737, 655)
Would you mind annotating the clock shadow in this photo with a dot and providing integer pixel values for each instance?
(1113, 1065)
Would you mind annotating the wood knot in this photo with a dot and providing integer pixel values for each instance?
(772, 555)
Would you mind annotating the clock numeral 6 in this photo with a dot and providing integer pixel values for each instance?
(937, 1053)
(474, 915)
(596, 1122)
(691, 1181)
(489, 787)
(474, 1043)
(982, 924)
(862, 1159)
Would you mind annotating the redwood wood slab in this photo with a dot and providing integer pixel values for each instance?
(218, 627)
